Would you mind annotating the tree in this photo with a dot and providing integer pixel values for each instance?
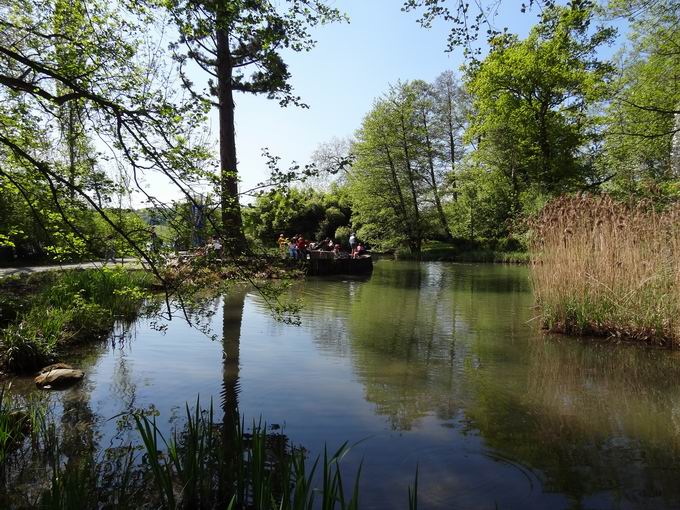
(314, 214)
(334, 157)
(384, 187)
(405, 162)
(437, 149)
(643, 120)
(452, 110)
(533, 99)
(238, 43)
(69, 17)
(122, 99)
(467, 23)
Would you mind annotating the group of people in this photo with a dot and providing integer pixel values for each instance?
(298, 247)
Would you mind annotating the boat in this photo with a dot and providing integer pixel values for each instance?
(322, 263)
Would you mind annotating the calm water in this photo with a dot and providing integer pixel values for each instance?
(432, 364)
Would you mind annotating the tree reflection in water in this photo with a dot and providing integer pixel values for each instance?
(592, 420)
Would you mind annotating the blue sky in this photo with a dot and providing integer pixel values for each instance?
(339, 79)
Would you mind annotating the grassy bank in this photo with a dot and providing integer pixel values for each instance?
(464, 252)
(203, 463)
(43, 313)
(604, 268)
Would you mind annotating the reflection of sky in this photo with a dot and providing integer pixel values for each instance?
(475, 400)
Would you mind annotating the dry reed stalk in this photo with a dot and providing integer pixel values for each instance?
(601, 267)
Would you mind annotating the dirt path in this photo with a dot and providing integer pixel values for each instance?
(8, 271)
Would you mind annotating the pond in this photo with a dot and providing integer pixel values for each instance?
(432, 365)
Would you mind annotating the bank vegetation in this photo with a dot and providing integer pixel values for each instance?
(606, 268)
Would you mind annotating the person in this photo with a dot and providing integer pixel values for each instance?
(352, 242)
(283, 244)
(339, 253)
(292, 247)
(360, 250)
(301, 247)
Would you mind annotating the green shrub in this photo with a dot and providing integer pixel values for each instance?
(342, 236)
(24, 349)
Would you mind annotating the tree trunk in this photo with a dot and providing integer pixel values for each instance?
(452, 142)
(544, 145)
(232, 226)
(400, 194)
(417, 240)
(675, 147)
(435, 190)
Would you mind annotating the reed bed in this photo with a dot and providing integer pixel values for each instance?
(605, 268)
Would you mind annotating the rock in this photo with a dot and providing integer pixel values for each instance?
(58, 375)
(53, 367)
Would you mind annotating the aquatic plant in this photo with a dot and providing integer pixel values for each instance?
(21, 421)
(202, 464)
(208, 464)
(602, 267)
(413, 494)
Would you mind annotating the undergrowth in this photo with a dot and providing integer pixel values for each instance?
(70, 307)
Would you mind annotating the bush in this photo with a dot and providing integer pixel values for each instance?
(509, 244)
(342, 236)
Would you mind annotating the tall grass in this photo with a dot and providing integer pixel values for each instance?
(601, 267)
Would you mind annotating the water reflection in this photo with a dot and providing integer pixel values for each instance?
(232, 316)
(597, 423)
(430, 364)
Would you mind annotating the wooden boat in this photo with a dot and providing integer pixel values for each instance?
(325, 263)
